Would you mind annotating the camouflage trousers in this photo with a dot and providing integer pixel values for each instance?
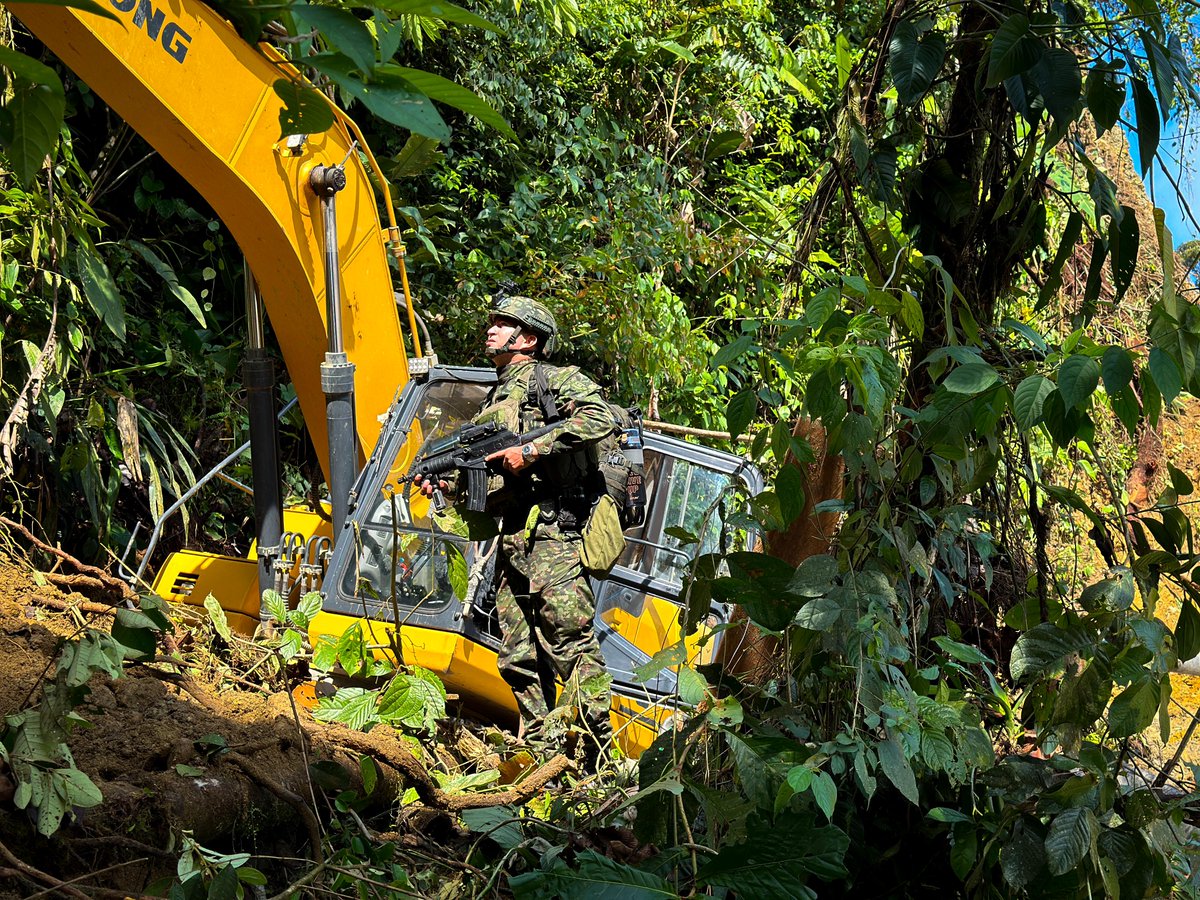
(545, 608)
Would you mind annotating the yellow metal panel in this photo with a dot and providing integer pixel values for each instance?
(202, 97)
(469, 670)
(189, 577)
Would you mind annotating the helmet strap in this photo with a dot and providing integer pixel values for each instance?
(508, 345)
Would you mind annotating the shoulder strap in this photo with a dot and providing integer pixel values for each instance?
(544, 397)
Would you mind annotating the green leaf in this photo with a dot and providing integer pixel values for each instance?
(1057, 77)
(915, 61)
(1109, 594)
(692, 686)
(1167, 253)
(789, 487)
(1105, 96)
(1071, 834)
(435, 9)
(306, 609)
(1166, 375)
(135, 631)
(1116, 368)
(1023, 858)
(962, 652)
(457, 571)
(594, 877)
(973, 378)
(1078, 378)
(1015, 49)
(305, 110)
(1066, 249)
(417, 155)
(354, 707)
(416, 700)
(1187, 630)
(740, 411)
(443, 90)
(1147, 123)
(101, 292)
(1133, 709)
(779, 858)
(1124, 239)
(274, 603)
(216, 615)
(167, 274)
(343, 30)
(187, 771)
(897, 768)
(825, 793)
(1028, 400)
(1041, 649)
(36, 111)
(731, 351)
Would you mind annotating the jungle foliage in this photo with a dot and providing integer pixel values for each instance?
(890, 218)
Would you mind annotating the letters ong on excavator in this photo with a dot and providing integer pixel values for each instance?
(146, 15)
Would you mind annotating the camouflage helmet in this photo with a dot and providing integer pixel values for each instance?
(530, 314)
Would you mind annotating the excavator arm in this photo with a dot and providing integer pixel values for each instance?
(202, 97)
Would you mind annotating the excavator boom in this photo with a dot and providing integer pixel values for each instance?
(181, 77)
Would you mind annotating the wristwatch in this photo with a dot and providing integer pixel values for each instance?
(528, 452)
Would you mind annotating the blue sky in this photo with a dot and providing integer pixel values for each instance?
(1177, 154)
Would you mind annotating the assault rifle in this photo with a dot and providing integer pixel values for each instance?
(467, 450)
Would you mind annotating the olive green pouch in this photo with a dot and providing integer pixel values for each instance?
(603, 540)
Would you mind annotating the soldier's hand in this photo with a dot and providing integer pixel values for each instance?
(514, 459)
(427, 486)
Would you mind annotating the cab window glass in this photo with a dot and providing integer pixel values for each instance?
(693, 494)
(395, 529)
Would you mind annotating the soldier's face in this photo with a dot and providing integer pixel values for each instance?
(500, 332)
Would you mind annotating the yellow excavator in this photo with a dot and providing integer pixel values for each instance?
(306, 217)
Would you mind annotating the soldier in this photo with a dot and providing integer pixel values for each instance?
(544, 603)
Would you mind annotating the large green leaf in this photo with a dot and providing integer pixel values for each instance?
(1078, 378)
(1015, 49)
(443, 90)
(915, 60)
(417, 155)
(1023, 857)
(100, 290)
(31, 134)
(897, 768)
(167, 274)
(354, 707)
(1134, 708)
(343, 30)
(1041, 649)
(1105, 96)
(1187, 630)
(436, 9)
(740, 411)
(594, 877)
(388, 95)
(1071, 835)
(1147, 123)
(1028, 400)
(973, 378)
(1116, 368)
(416, 701)
(1124, 239)
(305, 110)
(1057, 77)
(778, 859)
(1166, 375)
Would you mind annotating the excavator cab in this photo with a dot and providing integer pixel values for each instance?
(392, 565)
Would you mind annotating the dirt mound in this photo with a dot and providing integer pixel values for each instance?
(158, 755)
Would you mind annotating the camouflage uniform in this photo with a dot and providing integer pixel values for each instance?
(544, 603)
